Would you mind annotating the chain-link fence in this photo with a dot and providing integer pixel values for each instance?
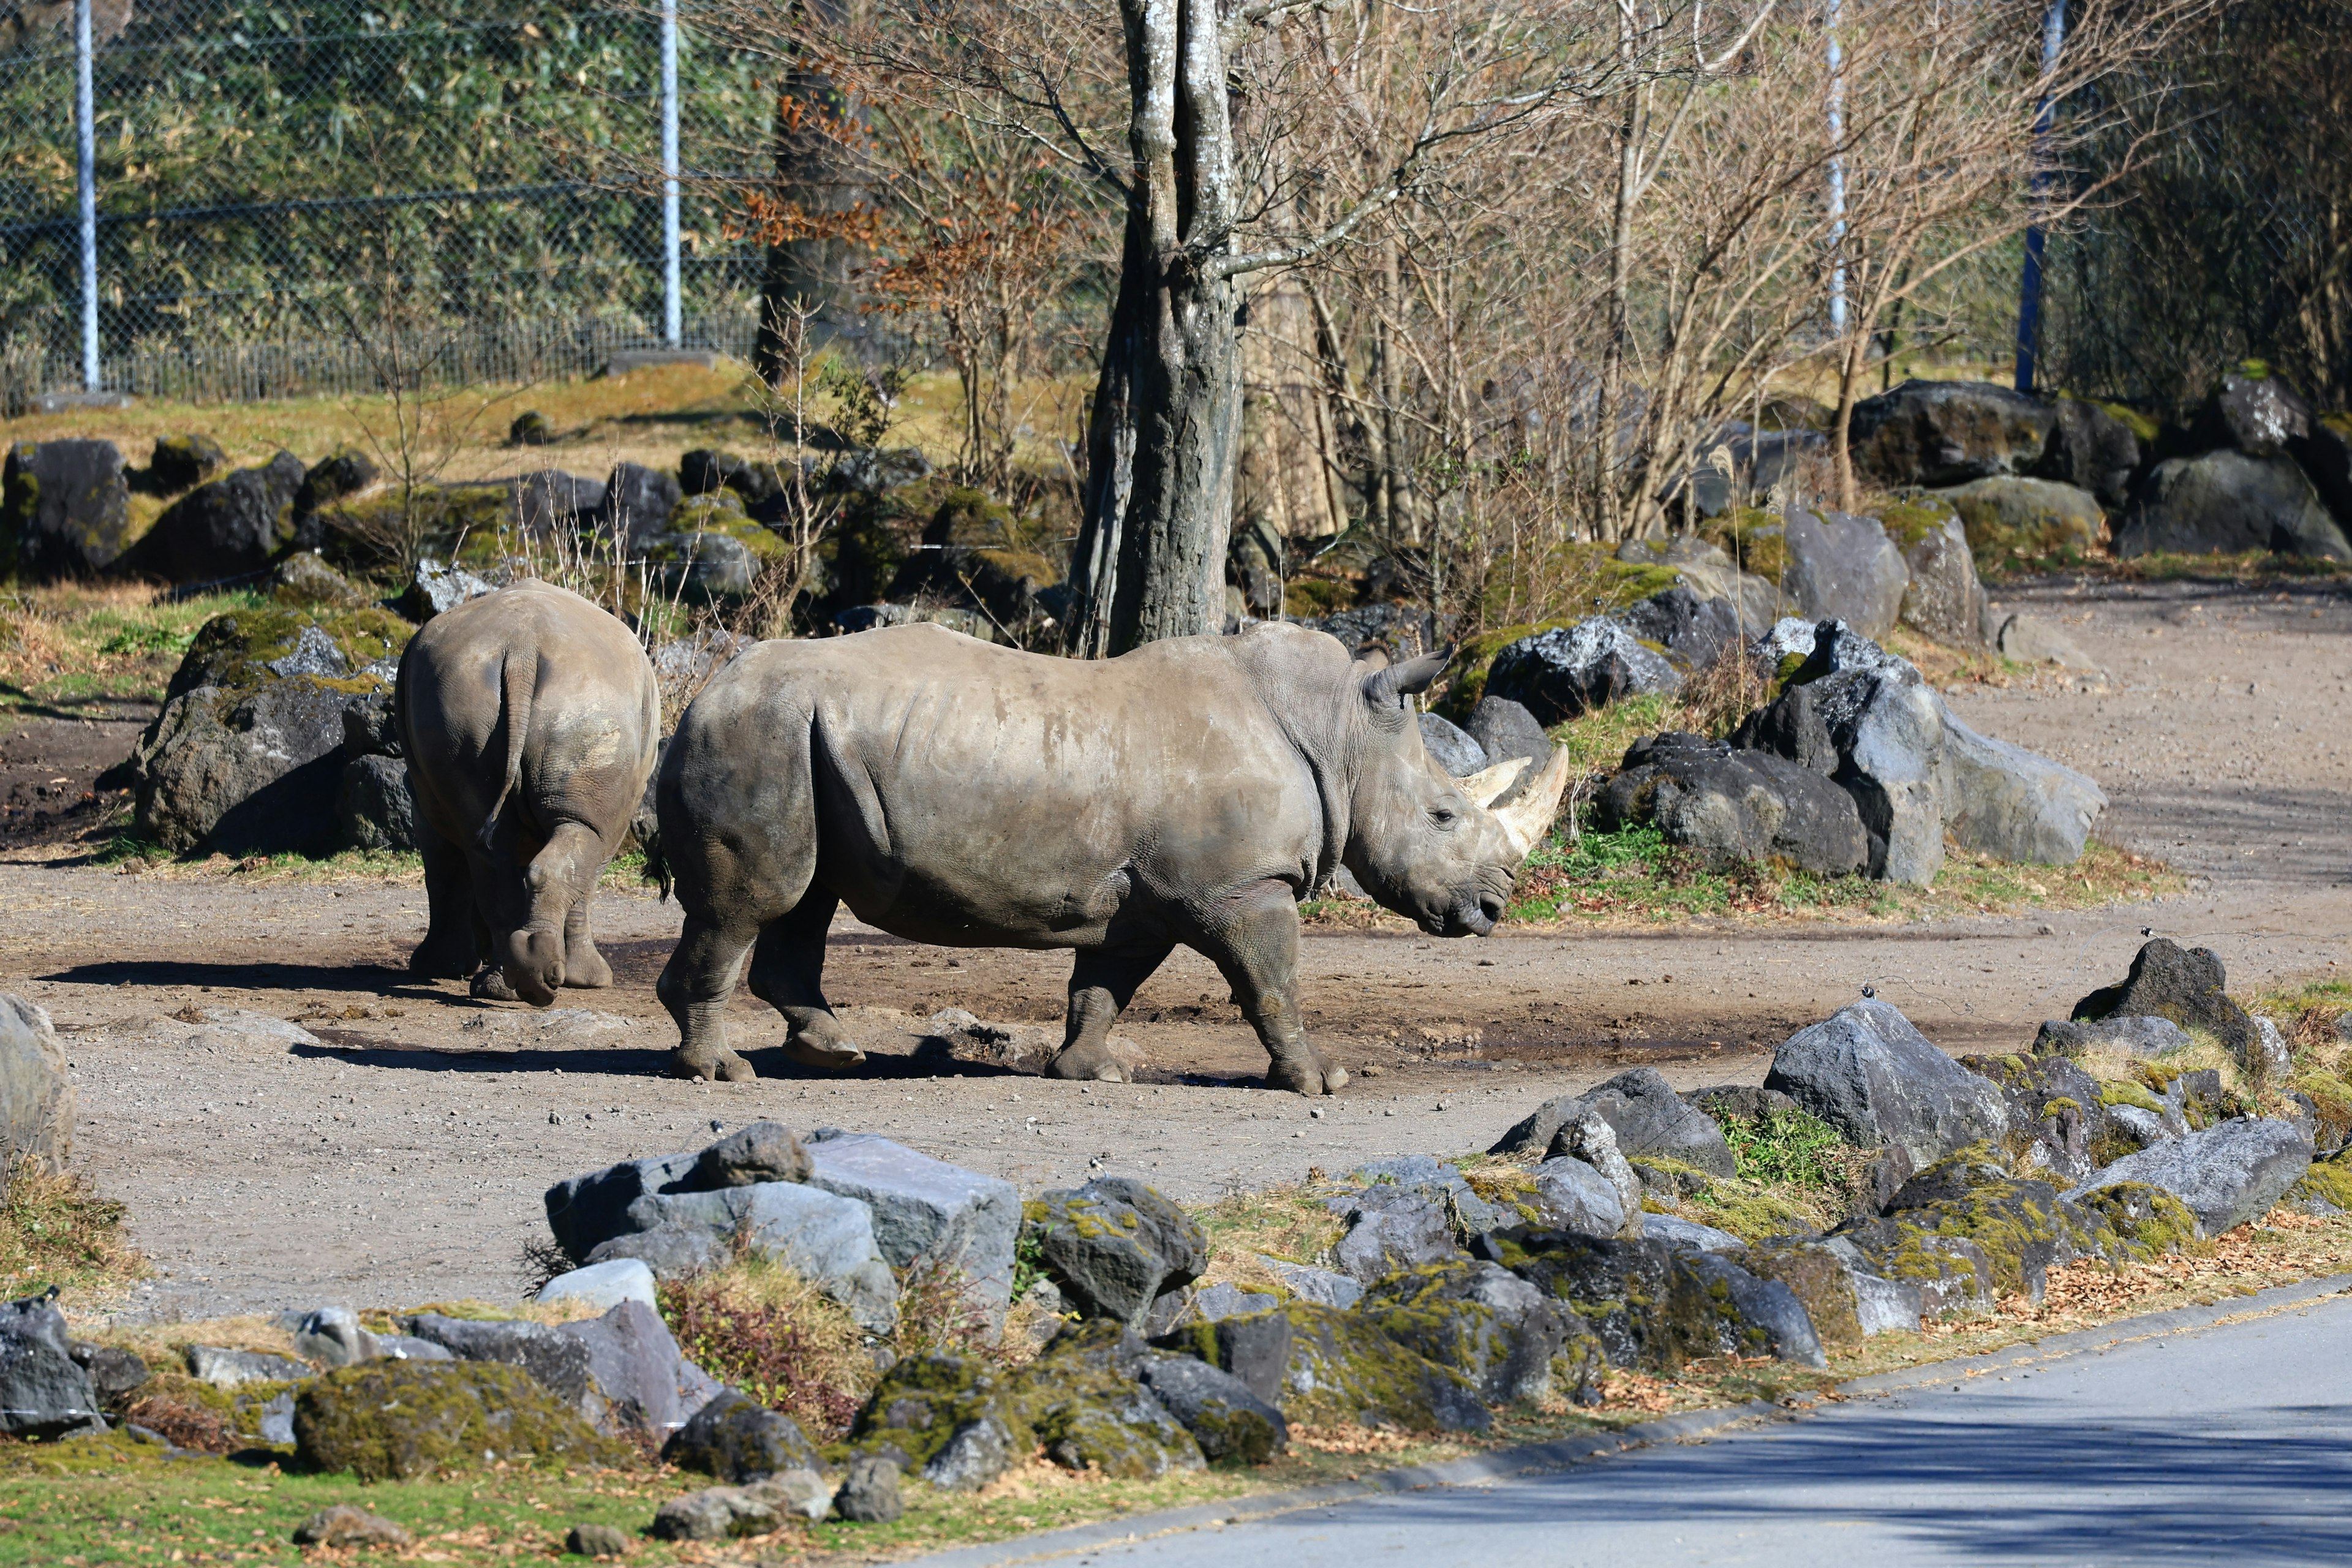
(280, 186)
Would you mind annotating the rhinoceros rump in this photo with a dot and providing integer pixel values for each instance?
(530, 717)
(955, 792)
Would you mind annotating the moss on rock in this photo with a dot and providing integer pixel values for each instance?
(1323, 1366)
(1081, 1399)
(396, 1420)
(233, 652)
(2147, 1221)
(1820, 1281)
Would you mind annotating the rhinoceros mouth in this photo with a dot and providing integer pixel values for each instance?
(1469, 917)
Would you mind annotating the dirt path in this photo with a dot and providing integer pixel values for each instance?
(403, 1158)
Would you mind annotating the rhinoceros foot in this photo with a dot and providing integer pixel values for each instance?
(1090, 1061)
(491, 985)
(1303, 1072)
(722, 1065)
(831, 1055)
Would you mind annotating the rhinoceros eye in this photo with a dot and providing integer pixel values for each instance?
(1442, 815)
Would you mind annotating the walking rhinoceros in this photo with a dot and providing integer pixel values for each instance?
(529, 717)
(955, 792)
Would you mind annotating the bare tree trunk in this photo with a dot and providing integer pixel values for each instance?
(1161, 442)
(809, 275)
(1284, 479)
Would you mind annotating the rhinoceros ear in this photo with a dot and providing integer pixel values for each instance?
(1386, 689)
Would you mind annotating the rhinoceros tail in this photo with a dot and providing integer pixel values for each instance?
(514, 681)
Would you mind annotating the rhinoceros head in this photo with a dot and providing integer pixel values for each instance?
(1427, 845)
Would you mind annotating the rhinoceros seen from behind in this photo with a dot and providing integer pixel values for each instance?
(529, 717)
(955, 792)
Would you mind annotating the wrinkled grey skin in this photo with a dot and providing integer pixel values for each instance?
(529, 717)
(954, 792)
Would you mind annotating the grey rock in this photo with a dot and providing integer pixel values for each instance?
(371, 725)
(764, 1152)
(737, 1440)
(1708, 571)
(1843, 567)
(2226, 503)
(671, 1251)
(233, 1369)
(44, 1392)
(1736, 804)
(2141, 1034)
(313, 653)
(2092, 450)
(637, 504)
(1400, 631)
(2005, 801)
(1868, 1073)
(434, 588)
(2187, 985)
(799, 1493)
(229, 527)
(870, 470)
(647, 1385)
(584, 1210)
(1451, 750)
(1588, 1137)
(1228, 1302)
(1505, 728)
(869, 1491)
(602, 1285)
(2029, 639)
(1648, 1120)
(2144, 1126)
(114, 1371)
(1694, 631)
(827, 1240)
(1883, 1305)
(337, 477)
(1114, 1244)
(1320, 1286)
(1682, 1231)
(36, 1092)
(1765, 1305)
(1790, 637)
(375, 805)
(1224, 1416)
(1574, 1196)
(1943, 600)
(1741, 1101)
(179, 463)
(706, 568)
(928, 1212)
(1654, 1305)
(550, 501)
(346, 1527)
(1952, 1275)
(2228, 1174)
(706, 471)
(251, 773)
(1478, 1318)
(980, 1451)
(593, 1540)
(558, 1362)
(332, 1335)
(1391, 1229)
(2026, 517)
(276, 1420)
(1559, 673)
(302, 578)
(2259, 415)
(2270, 1060)
(718, 1513)
(1932, 433)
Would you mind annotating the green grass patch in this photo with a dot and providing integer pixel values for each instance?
(56, 1231)
(68, 646)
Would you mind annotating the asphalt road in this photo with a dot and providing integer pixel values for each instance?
(2232, 1444)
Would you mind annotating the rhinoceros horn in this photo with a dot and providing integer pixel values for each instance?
(1487, 785)
(1527, 819)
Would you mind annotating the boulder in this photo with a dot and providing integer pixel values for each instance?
(2003, 800)
(2185, 986)
(2139, 1033)
(871, 470)
(344, 1528)
(1401, 631)
(2090, 449)
(648, 1387)
(1866, 719)
(1740, 1102)
(1229, 1300)
(1869, 1074)
(705, 470)
(1930, 433)
(179, 463)
(2022, 1228)
(1504, 729)
(2014, 518)
(1654, 1305)
(1935, 1277)
(1322, 1367)
(531, 428)
(602, 1285)
(827, 1240)
(230, 528)
(1710, 572)
(1084, 1399)
(1388, 1228)
(217, 1367)
(37, 1091)
(304, 580)
(332, 1336)
(1823, 1283)
(949, 1418)
(1559, 673)
(764, 1152)
(44, 1392)
(1842, 567)
(1488, 1324)
(869, 1492)
(1307, 1283)
(717, 1513)
(338, 477)
(1943, 600)
(373, 805)
(1114, 1245)
(1688, 1232)
(399, 1420)
(737, 1440)
(2029, 640)
(65, 509)
(2327, 457)
(1569, 1194)
(637, 504)
(433, 588)
(1648, 1118)
(2060, 1118)
(1454, 752)
(2227, 1174)
(2226, 503)
(676, 1251)
(583, 1211)
(1225, 1418)
(1693, 631)
(557, 1361)
(1587, 1136)
(705, 566)
(1752, 806)
(2255, 412)
(550, 503)
(114, 1372)
(929, 1213)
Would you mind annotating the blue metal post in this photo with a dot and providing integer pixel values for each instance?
(86, 190)
(2028, 282)
(1837, 174)
(672, 303)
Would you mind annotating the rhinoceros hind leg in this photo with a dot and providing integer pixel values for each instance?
(695, 985)
(449, 950)
(788, 973)
(1102, 983)
(1256, 949)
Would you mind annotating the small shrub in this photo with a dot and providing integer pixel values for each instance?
(762, 1328)
(55, 1231)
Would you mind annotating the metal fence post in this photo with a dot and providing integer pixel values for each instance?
(673, 305)
(86, 159)
(2029, 278)
(1837, 173)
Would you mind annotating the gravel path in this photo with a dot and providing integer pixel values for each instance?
(401, 1159)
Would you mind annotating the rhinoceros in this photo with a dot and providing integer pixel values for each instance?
(529, 717)
(955, 792)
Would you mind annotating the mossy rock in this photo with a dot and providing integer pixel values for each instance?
(1752, 537)
(2331, 1105)
(398, 1420)
(478, 516)
(1912, 518)
(2147, 1221)
(2326, 1188)
(2023, 1227)
(762, 540)
(1490, 1325)
(1818, 1279)
(713, 509)
(1326, 1367)
(1312, 598)
(1081, 1398)
(1652, 1307)
(2124, 1091)
(233, 652)
(951, 1418)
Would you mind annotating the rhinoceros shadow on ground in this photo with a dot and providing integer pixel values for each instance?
(375, 979)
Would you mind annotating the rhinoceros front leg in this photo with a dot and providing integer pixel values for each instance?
(695, 985)
(1102, 982)
(584, 968)
(1255, 947)
(788, 974)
